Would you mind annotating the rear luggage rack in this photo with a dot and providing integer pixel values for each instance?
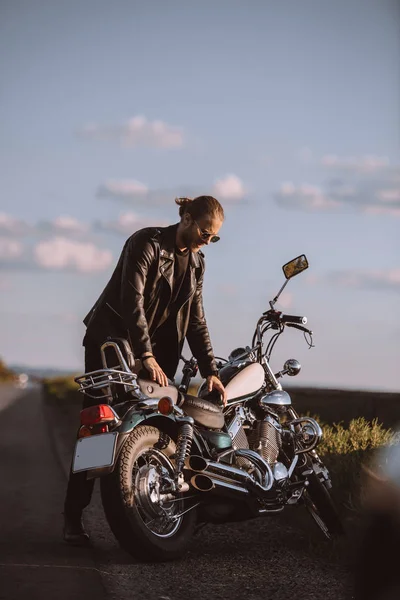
(107, 377)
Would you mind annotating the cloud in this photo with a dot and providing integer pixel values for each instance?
(138, 132)
(229, 188)
(128, 223)
(63, 225)
(10, 249)
(128, 189)
(304, 197)
(366, 184)
(354, 164)
(12, 226)
(373, 279)
(63, 254)
(226, 189)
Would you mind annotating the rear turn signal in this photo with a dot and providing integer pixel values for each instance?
(165, 405)
(97, 414)
(84, 432)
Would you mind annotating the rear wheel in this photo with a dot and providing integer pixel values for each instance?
(321, 507)
(148, 521)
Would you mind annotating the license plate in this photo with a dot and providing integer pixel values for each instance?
(94, 452)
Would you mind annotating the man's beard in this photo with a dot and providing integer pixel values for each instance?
(187, 240)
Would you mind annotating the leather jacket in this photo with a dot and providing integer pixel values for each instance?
(136, 300)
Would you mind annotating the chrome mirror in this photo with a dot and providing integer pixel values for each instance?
(295, 266)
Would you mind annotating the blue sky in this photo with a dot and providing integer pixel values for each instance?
(287, 112)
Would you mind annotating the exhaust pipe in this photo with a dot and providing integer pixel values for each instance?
(204, 483)
(224, 476)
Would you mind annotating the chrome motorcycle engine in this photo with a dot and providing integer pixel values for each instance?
(265, 438)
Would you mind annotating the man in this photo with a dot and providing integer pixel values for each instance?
(154, 300)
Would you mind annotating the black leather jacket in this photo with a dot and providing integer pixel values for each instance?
(136, 300)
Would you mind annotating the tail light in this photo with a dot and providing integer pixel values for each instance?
(101, 413)
(101, 428)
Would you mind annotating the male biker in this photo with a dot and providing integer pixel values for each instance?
(154, 300)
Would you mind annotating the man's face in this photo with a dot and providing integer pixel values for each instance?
(195, 231)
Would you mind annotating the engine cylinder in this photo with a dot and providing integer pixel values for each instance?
(266, 440)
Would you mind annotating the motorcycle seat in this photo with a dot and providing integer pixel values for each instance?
(203, 412)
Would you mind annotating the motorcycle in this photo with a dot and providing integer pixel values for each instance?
(169, 461)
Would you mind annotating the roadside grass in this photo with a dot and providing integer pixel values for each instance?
(6, 375)
(60, 387)
(346, 451)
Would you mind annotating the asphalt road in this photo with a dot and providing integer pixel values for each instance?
(272, 558)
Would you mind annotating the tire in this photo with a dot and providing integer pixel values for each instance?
(129, 495)
(321, 507)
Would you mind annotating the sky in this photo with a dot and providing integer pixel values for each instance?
(288, 113)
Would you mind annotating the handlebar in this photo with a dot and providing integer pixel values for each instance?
(183, 387)
(189, 371)
(276, 317)
(293, 319)
(299, 327)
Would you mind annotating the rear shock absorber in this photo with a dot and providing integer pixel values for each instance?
(184, 443)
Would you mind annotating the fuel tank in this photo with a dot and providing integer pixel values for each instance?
(242, 379)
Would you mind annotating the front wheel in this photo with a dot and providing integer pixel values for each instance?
(148, 521)
(320, 505)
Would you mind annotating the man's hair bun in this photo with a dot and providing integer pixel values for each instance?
(200, 207)
(183, 204)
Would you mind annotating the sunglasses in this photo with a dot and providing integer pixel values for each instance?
(204, 235)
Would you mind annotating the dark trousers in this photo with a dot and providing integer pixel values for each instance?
(80, 489)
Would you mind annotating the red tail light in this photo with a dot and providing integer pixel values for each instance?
(101, 429)
(97, 414)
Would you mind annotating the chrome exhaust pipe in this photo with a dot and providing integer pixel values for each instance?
(206, 484)
(237, 479)
(202, 483)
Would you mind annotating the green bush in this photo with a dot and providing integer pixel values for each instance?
(345, 450)
(6, 374)
(60, 387)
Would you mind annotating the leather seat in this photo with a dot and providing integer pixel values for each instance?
(203, 412)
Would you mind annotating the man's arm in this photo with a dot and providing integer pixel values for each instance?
(199, 342)
(198, 336)
(137, 260)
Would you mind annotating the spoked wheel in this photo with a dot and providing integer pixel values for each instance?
(148, 520)
(160, 512)
(319, 504)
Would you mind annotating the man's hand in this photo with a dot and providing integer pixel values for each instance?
(213, 383)
(156, 372)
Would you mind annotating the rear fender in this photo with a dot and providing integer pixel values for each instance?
(166, 424)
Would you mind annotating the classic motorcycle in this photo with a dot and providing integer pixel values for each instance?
(169, 461)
